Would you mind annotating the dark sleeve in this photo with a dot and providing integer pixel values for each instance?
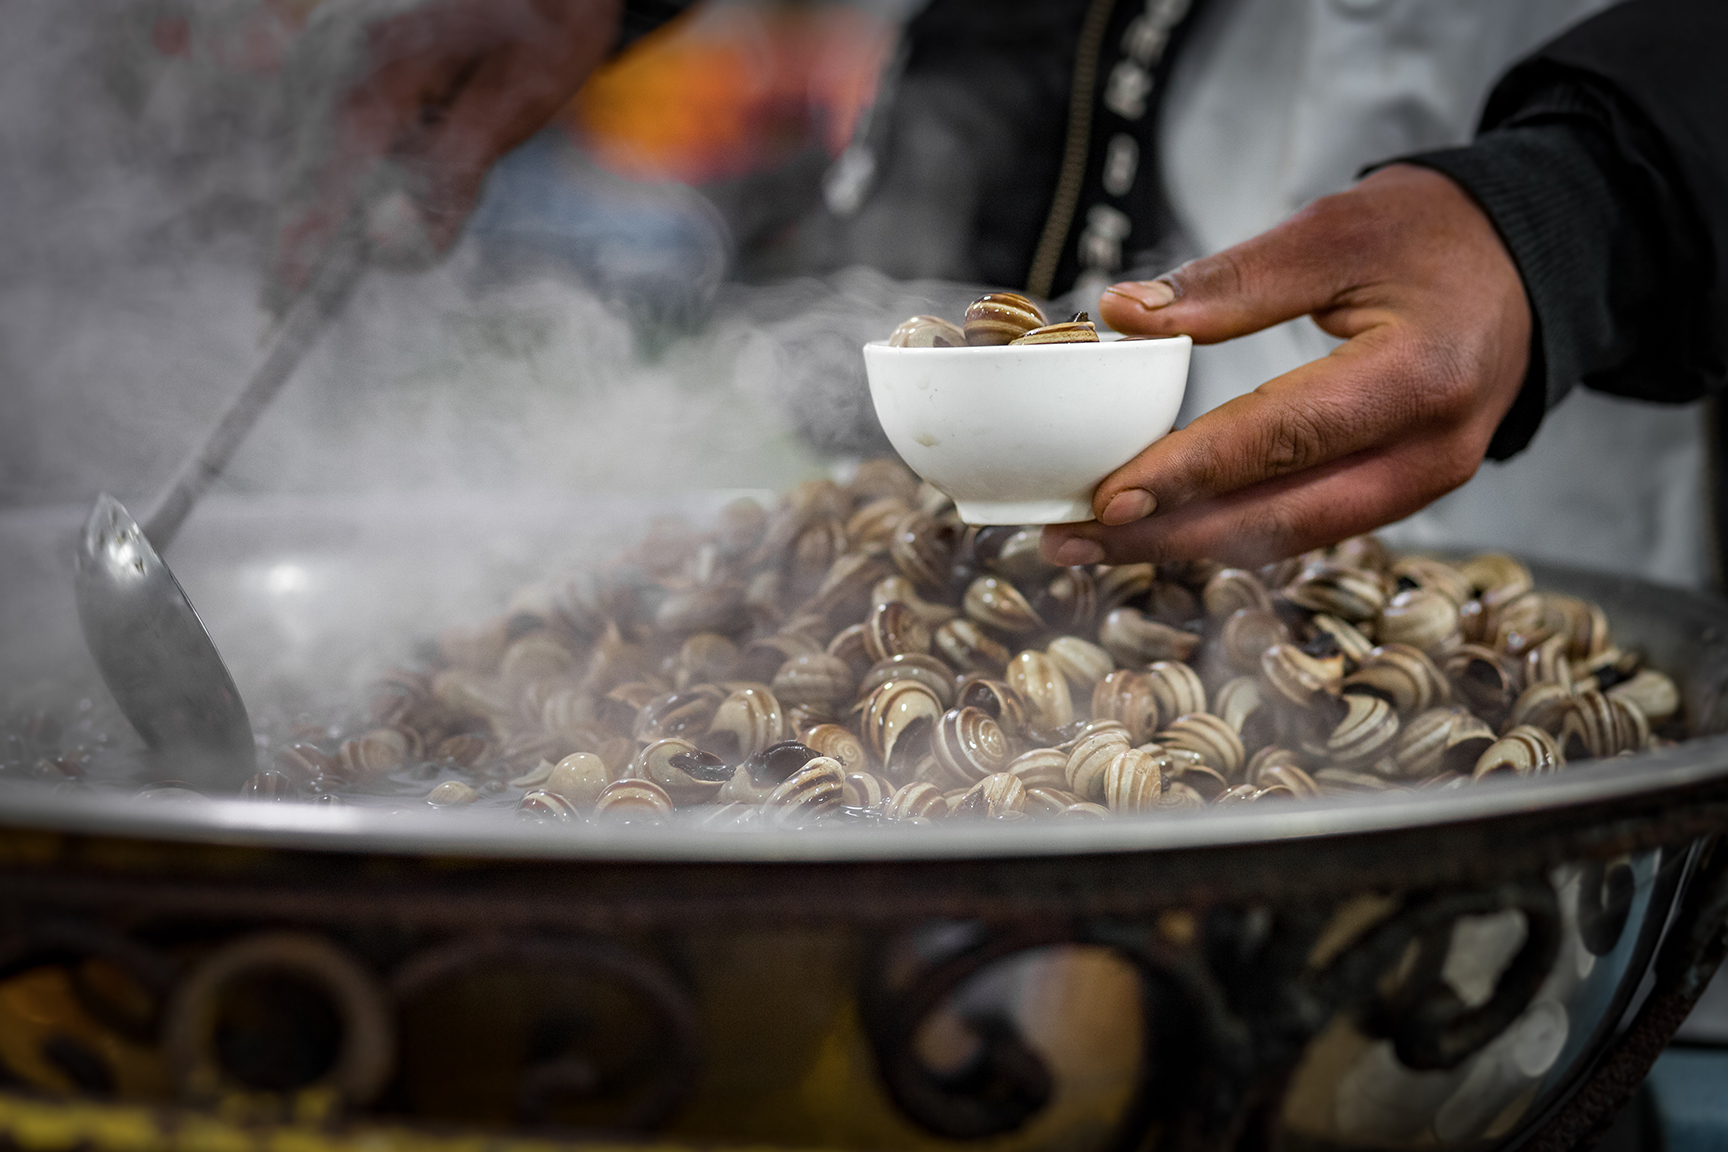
(1603, 162)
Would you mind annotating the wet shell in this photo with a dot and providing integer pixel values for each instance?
(1005, 705)
(451, 794)
(992, 797)
(1595, 725)
(923, 550)
(1126, 697)
(1041, 768)
(1067, 332)
(763, 657)
(1205, 780)
(1081, 661)
(1546, 663)
(848, 644)
(1069, 601)
(1524, 751)
(1655, 695)
(752, 717)
(1241, 704)
(926, 670)
(1351, 640)
(1121, 584)
(686, 713)
(1092, 754)
(1178, 795)
(546, 806)
(1368, 729)
(1135, 641)
(633, 801)
(1420, 617)
(1347, 593)
(1246, 635)
(1541, 705)
(894, 629)
(1434, 576)
(365, 759)
(1035, 676)
(845, 592)
(1043, 800)
(702, 659)
(891, 588)
(1401, 675)
(815, 680)
(306, 765)
(896, 725)
(1484, 680)
(920, 798)
(714, 609)
(965, 645)
(1000, 318)
(995, 603)
(815, 789)
(688, 774)
(969, 745)
(834, 741)
(1132, 781)
(865, 790)
(579, 778)
(1437, 741)
(872, 525)
(927, 332)
(1177, 688)
(1209, 736)
(1231, 590)
(1296, 677)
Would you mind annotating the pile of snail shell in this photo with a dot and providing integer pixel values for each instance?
(994, 319)
(857, 654)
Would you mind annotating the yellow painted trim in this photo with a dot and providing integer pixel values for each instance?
(37, 1125)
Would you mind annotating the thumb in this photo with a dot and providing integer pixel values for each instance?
(1298, 267)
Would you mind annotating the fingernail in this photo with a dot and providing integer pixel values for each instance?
(1148, 294)
(1077, 551)
(1127, 506)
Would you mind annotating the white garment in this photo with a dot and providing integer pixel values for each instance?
(1277, 102)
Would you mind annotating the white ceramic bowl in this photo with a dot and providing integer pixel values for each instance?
(1022, 435)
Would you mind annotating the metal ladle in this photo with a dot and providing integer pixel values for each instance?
(147, 640)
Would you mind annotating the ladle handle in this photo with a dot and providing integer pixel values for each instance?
(300, 329)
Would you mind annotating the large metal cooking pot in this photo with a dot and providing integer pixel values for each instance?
(1451, 970)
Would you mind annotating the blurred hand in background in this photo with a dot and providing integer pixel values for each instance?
(1408, 271)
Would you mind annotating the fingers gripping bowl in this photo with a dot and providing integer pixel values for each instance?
(1019, 424)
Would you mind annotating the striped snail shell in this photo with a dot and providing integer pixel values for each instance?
(634, 802)
(1246, 634)
(1435, 576)
(677, 713)
(1420, 617)
(1484, 680)
(894, 629)
(1595, 725)
(464, 750)
(839, 743)
(1296, 677)
(1289, 778)
(814, 680)
(926, 670)
(1347, 593)
(1126, 696)
(896, 725)
(1438, 741)
(1068, 602)
(992, 797)
(1546, 663)
(1081, 661)
(1401, 675)
(1041, 767)
(865, 790)
(686, 773)
(920, 798)
(1135, 640)
(1132, 781)
(1005, 705)
(367, 758)
(1654, 694)
(751, 716)
(763, 657)
(969, 745)
(968, 647)
(927, 332)
(546, 806)
(1042, 686)
(1241, 704)
(848, 644)
(579, 778)
(716, 608)
(449, 794)
(1210, 737)
(1091, 754)
(923, 549)
(535, 656)
(1541, 705)
(871, 525)
(1203, 778)
(1334, 781)
(891, 588)
(1496, 578)
(1120, 584)
(1045, 800)
(845, 590)
(814, 790)
(1368, 729)
(996, 603)
(1231, 590)
(1000, 318)
(702, 659)
(1177, 688)
(1066, 332)
(1171, 603)
(1351, 640)
(1178, 795)
(1523, 751)
(469, 693)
